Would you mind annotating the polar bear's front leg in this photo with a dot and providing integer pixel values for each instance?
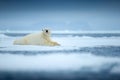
(53, 43)
(56, 44)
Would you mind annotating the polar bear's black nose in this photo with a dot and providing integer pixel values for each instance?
(46, 31)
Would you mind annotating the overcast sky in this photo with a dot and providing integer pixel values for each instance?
(60, 14)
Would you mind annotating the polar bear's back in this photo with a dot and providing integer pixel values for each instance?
(31, 39)
(34, 39)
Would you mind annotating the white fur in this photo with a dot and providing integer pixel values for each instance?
(41, 38)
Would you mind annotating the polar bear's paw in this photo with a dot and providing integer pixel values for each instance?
(56, 44)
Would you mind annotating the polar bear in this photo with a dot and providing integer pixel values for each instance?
(42, 38)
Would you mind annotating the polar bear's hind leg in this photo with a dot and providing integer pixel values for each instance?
(20, 42)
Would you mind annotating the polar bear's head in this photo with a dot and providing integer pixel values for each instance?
(46, 32)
